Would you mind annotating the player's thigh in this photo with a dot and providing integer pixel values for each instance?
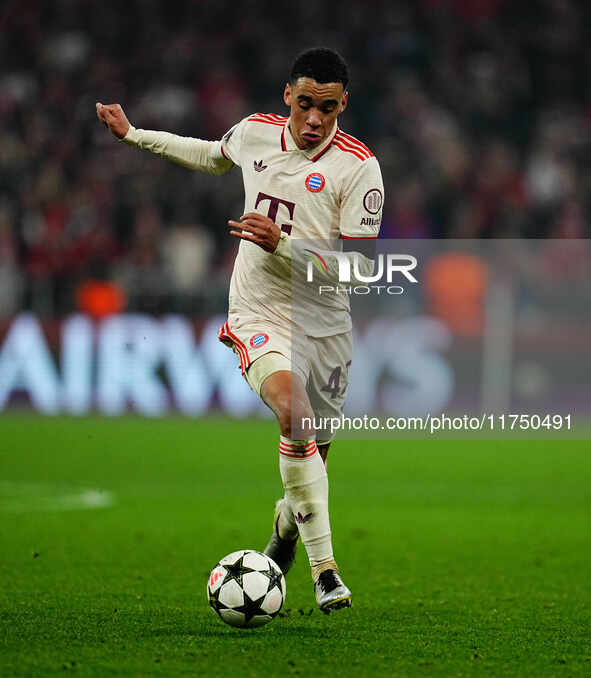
(328, 380)
(271, 370)
(252, 340)
(280, 382)
(273, 358)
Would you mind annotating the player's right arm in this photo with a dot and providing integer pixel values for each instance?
(195, 154)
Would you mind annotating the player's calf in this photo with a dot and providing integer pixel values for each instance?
(283, 542)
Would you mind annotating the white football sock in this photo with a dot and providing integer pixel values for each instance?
(306, 489)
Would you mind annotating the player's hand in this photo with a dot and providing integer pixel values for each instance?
(257, 228)
(113, 117)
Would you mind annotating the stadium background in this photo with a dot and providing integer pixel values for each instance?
(478, 110)
(465, 558)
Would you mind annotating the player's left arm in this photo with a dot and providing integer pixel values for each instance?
(362, 203)
(360, 216)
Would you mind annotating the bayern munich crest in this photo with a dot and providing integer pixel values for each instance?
(258, 340)
(315, 182)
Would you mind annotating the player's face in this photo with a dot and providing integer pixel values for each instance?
(314, 108)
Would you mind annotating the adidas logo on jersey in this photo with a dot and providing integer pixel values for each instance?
(258, 166)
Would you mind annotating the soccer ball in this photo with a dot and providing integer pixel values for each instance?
(246, 589)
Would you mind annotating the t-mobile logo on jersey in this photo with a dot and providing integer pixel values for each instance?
(274, 208)
(355, 267)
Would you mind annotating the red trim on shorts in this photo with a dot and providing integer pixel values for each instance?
(225, 333)
(241, 347)
(224, 153)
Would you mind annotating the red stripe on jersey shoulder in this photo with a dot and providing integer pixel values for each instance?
(348, 149)
(270, 118)
(281, 118)
(353, 147)
(266, 122)
(351, 139)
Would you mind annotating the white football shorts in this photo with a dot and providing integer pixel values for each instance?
(321, 362)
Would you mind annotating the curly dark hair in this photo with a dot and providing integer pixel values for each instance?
(321, 64)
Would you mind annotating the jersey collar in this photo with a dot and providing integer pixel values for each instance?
(313, 154)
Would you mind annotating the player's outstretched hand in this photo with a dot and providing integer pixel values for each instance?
(114, 118)
(257, 228)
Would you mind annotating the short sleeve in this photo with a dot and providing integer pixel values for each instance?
(231, 142)
(362, 201)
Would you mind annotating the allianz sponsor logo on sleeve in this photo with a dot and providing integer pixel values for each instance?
(359, 275)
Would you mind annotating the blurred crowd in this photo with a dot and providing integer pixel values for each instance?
(478, 110)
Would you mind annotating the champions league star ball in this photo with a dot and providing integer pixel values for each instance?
(246, 589)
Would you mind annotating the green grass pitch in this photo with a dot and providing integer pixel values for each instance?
(464, 558)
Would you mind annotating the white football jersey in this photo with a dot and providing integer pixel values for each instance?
(332, 191)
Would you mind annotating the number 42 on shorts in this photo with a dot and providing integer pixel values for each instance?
(334, 381)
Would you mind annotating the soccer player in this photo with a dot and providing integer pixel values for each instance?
(303, 178)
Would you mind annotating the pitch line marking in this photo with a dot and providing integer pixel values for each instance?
(39, 497)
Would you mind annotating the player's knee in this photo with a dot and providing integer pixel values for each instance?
(296, 419)
(286, 395)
